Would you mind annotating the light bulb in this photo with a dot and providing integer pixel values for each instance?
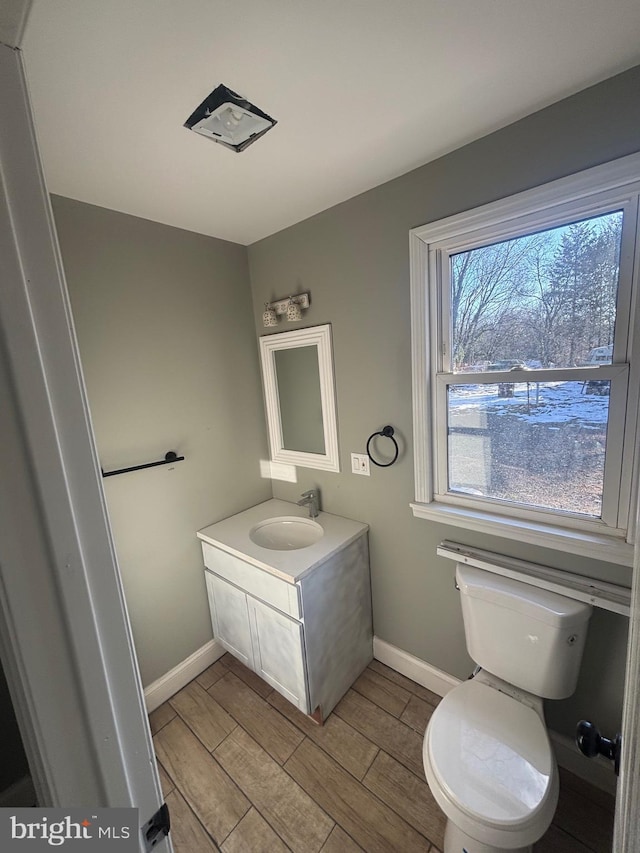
(231, 119)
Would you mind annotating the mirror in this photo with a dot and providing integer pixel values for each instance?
(297, 371)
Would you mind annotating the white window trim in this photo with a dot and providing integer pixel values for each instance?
(585, 191)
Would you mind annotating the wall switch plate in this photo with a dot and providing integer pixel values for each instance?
(360, 464)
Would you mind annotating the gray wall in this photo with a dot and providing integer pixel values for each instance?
(354, 258)
(165, 328)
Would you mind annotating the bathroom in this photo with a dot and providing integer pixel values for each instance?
(168, 322)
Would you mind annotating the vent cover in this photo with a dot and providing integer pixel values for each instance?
(229, 119)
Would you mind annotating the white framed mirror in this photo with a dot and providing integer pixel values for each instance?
(299, 390)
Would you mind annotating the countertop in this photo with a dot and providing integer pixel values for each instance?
(232, 535)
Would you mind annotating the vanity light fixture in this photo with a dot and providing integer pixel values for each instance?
(229, 119)
(289, 306)
(293, 310)
(269, 317)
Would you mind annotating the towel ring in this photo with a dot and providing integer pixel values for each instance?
(387, 432)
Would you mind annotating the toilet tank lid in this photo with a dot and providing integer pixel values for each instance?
(521, 597)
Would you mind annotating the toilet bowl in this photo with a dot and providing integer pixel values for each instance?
(486, 752)
(491, 768)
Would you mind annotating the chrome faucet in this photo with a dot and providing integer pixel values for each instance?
(312, 500)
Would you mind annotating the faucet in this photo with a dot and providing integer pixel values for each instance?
(312, 500)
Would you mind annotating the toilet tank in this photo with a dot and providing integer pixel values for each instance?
(527, 636)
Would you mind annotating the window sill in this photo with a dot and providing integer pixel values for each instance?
(596, 546)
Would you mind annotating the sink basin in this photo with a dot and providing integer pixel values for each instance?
(286, 533)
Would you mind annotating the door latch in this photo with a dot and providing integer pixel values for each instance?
(156, 828)
(591, 743)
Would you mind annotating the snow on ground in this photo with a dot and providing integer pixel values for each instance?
(543, 447)
(543, 403)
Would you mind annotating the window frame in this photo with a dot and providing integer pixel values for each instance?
(615, 497)
(612, 186)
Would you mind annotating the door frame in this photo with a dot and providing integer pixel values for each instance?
(626, 837)
(65, 637)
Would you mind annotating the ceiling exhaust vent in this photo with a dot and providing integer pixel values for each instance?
(229, 119)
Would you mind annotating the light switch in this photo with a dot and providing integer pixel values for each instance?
(360, 464)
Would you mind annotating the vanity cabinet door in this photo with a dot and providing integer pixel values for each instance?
(278, 652)
(230, 618)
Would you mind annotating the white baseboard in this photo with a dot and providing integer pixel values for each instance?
(596, 771)
(414, 668)
(21, 794)
(168, 684)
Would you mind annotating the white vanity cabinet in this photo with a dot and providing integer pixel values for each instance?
(302, 623)
(267, 641)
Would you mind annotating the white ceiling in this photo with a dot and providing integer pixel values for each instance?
(363, 91)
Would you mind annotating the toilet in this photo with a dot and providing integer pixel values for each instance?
(487, 755)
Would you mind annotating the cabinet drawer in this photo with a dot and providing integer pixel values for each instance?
(255, 581)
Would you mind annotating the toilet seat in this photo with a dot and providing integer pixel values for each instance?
(490, 766)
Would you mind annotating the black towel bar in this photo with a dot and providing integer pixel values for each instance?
(168, 459)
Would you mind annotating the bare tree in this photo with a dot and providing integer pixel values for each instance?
(550, 296)
(485, 285)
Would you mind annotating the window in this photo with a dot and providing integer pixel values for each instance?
(525, 374)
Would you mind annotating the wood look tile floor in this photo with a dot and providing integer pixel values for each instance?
(243, 771)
